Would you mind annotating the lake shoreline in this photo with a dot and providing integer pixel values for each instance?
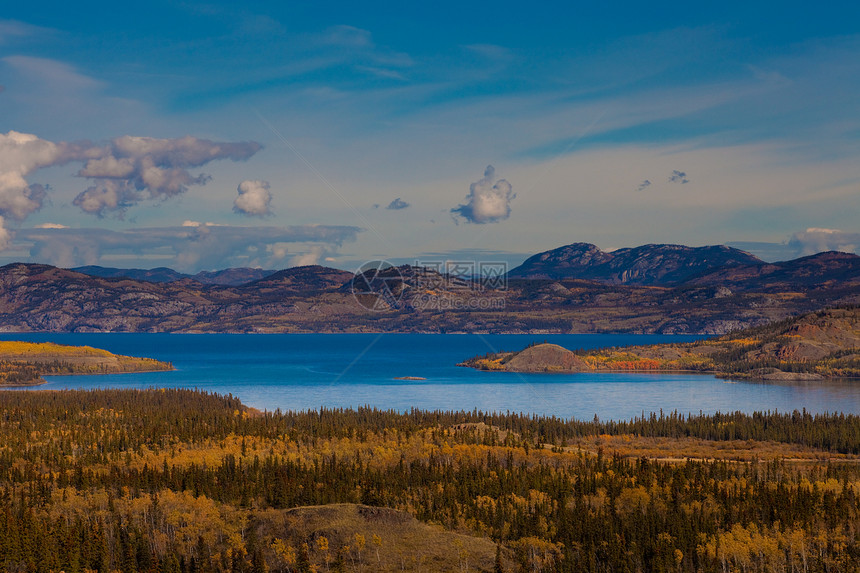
(306, 371)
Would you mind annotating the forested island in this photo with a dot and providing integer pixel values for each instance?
(24, 363)
(814, 346)
(185, 481)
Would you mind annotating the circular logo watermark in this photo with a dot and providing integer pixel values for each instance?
(377, 285)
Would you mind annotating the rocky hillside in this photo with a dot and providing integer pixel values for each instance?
(824, 344)
(156, 275)
(230, 277)
(537, 358)
(815, 271)
(645, 265)
(412, 299)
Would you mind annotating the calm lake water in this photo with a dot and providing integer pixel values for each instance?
(305, 371)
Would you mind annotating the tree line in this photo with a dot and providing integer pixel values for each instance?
(182, 481)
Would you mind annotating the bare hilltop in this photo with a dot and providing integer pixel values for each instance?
(814, 346)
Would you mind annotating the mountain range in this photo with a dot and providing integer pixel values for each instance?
(576, 288)
(230, 277)
(645, 265)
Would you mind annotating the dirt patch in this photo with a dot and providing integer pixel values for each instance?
(376, 539)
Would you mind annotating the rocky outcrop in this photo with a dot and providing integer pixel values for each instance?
(546, 358)
(645, 265)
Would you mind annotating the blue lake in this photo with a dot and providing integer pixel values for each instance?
(306, 371)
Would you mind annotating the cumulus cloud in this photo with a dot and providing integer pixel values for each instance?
(5, 235)
(815, 240)
(678, 177)
(131, 169)
(488, 201)
(312, 257)
(398, 204)
(644, 185)
(190, 247)
(107, 196)
(254, 198)
(123, 172)
(20, 155)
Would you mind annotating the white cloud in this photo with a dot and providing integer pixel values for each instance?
(312, 257)
(50, 226)
(5, 235)
(132, 169)
(815, 240)
(20, 155)
(124, 172)
(488, 201)
(254, 198)
(108, 196)
(190, 247)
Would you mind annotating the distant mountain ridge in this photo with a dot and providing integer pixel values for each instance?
(667, 289)
(646, 265)
(230, 277)
(817, 270)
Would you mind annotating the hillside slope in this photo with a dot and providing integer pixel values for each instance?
(644, 265)
(628, 294)
(394, 540)
(824, 344)
(831, 268)
(228, 277)
(24, 363)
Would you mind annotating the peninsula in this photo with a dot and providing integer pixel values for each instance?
(24, 363)
(814, 346)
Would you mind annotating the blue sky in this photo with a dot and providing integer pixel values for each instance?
(205, 135)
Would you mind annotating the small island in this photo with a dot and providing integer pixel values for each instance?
(24, 363)
(814, 346)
